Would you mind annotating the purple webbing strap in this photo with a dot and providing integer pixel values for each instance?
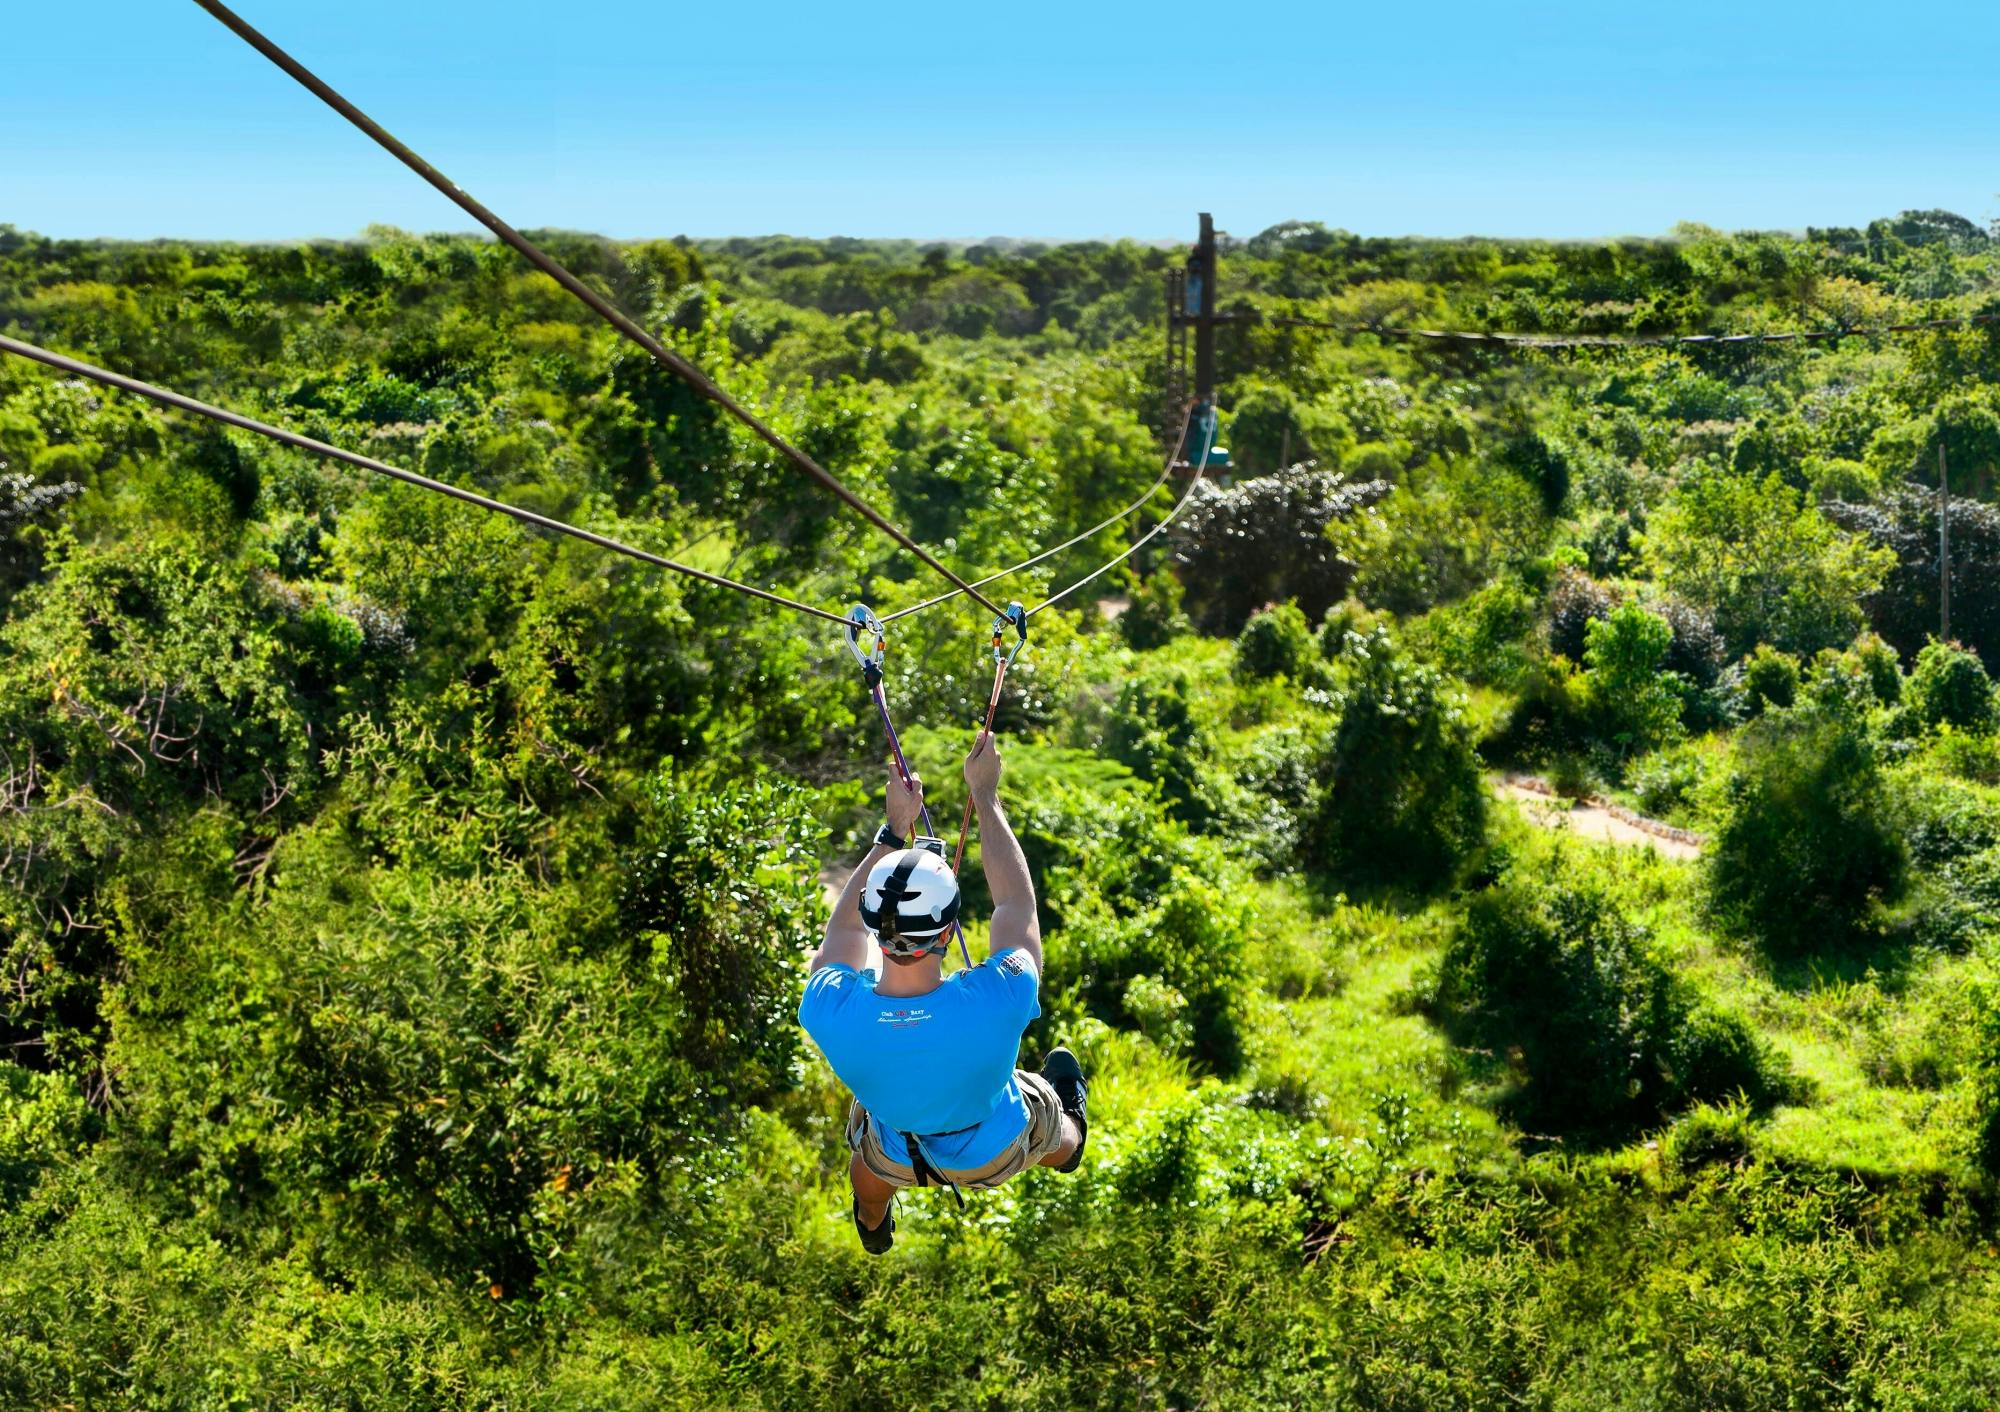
(903, 768)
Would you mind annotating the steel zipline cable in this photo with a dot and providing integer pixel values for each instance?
(166, 397)
(665, 356)
(383, 468)
(1610, 340)
(1151, 490)
(1200, 468)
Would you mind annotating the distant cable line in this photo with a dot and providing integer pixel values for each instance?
(382, 468)
(1151, 491)
(665, 356)
(1200, 466)
(1608, 340)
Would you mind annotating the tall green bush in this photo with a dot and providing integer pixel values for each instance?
(1635, 704)
(1277, 642)
(1142, 927)
(1766, 563)
(1549, 965)
(1155, 733)
(1770, 679)
(1805, 852)
(1153, 617)
(1949, 686)
(1403, 800)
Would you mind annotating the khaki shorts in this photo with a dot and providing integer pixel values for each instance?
(1043, 1135)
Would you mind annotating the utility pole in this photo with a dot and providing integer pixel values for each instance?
(1191, 305)
(1204, 312)
(1944, 550)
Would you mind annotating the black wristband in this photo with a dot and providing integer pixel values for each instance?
(888, 838)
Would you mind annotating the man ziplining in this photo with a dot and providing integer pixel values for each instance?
(929, 1057)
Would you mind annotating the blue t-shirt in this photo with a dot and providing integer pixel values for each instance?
(931, 1064)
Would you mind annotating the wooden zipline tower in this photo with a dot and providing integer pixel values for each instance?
(1191, 306)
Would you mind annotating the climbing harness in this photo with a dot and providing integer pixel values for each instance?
(868, 641)
(928, 1173)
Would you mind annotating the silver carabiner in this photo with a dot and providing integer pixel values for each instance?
(1017, 617)
(861, 620)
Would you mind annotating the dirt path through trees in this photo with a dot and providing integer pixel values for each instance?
(1595, 819)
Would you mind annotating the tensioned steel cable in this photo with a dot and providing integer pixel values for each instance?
(1181, 504)
(383, 468)
(1151, 491)
(665, 356)
(1614, 340)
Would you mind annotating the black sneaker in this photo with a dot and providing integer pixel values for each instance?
(1065, 1076)
(878, 1239)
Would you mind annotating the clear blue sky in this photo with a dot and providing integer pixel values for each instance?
(146, 117)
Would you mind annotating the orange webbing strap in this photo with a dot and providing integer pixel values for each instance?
(985, 734)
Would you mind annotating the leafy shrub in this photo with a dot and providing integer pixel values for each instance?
(1969, 757)
(1804, 853)
(1575, 601)
(1483, 637)
(1403, 799)
(1986, 1081)
(1277, 770)
(1172, 966)
(1448, 529)
(1665, 782)
(1350, 615)
(1949, 686)
(716, 923)
(1607, 1035)
(1264, 540)
(1706, 1134)
(1154, 732)
(1550, 718)
(1160, 1012)
(1904, 610)
(1543, 465)
(1877, 660)
(1695, 652)
(1770, 678)
(1571, 777)
(43, 1122)
(1765, 562)
(1944, 819)
(1632, 701)
(1276, 642)
(1153, 618)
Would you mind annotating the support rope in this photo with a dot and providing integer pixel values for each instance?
(1200, 467)
(665, 356)
(1611, 340)
(383, 468)
(1151, 491)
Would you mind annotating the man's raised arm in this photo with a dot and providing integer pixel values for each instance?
(846, 942)
(1015, 923)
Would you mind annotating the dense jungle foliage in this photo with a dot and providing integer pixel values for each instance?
(403, 913)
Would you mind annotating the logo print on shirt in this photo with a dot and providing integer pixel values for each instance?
(902, 1019)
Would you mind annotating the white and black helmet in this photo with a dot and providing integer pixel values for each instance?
(910, 901)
